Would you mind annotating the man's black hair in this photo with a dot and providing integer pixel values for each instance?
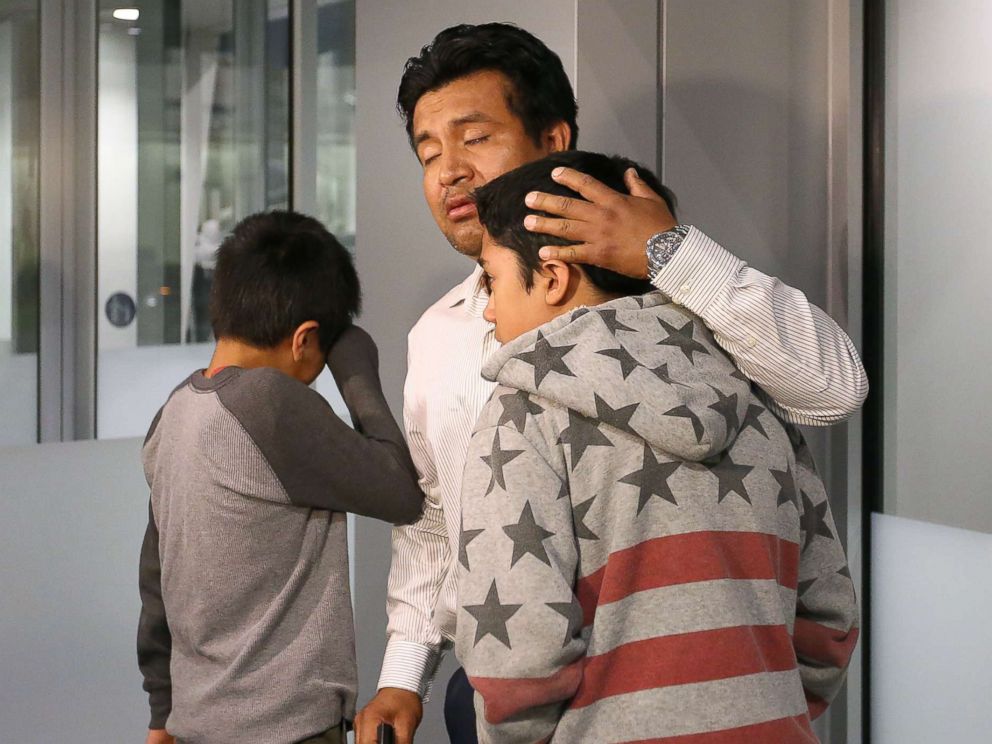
(540, 93)
(277, 270)
(502, 210)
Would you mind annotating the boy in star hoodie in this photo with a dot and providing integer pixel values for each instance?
(647, 551)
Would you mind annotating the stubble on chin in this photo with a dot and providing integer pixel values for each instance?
(469, 243)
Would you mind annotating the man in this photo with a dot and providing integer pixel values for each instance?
(626, 491)
(479, 101)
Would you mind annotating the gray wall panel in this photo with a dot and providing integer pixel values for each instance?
(72, 517)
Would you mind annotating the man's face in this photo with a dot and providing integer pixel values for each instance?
(513, 308)
(466, 135)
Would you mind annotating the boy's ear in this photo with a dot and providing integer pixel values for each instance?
(558, 136)
(305, 340)
(560, 281)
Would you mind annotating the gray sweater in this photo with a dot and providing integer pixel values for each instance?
(647, 553)
(246, 631)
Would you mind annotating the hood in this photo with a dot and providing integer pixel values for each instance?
(640, 364)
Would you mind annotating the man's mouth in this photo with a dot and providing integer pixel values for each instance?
(460, 208)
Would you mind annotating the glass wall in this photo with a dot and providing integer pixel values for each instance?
(19, 247)
(193, 120)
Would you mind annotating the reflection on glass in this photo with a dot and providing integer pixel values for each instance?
(193, 121)
(19, 150)
(336, 117)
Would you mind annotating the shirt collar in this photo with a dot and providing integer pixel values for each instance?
(472, 294)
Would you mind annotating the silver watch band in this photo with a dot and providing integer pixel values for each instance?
(662, 246)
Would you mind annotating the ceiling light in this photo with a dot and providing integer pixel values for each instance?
(127, 14)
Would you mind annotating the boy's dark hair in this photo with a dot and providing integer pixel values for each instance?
(277, 270)
(502, 210)
(541, 94)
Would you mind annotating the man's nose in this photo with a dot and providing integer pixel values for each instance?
(490, 312)
(454, 168)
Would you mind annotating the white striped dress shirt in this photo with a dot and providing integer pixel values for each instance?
(806, 365)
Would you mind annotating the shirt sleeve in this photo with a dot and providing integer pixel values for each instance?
(421, 556)
(806, 365)
(519, 624)
(320, 461)
(154, 638)
(826, 627)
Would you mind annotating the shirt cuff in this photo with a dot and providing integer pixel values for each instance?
(698, 273)
(408, 665)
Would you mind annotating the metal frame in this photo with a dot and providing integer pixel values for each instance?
(303, 106)
(67, 231)
(873, 228)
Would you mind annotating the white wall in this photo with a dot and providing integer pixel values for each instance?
(931, 639)
(931, 636)
(938, 262)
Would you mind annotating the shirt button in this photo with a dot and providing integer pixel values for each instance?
(751, 342)
(685, 289)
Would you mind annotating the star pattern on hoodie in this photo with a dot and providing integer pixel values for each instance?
(752, 420)
(813, 521)
(726, 406)
(730, 477)
(546, 359)
(618, 418)
(581, 434)
(516, 406)
(572, 614)
(497, 459)
(609, 318)
(528, 537)
(652, 479)
(579, 512)
(627, 363)
(786, 487)
(688, 413)
(661, 372)
(681, 338)
(464, 538)
(491, 617)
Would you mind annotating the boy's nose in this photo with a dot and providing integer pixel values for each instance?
(489, 313)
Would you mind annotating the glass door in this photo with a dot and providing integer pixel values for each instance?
(193, 120)
(19, 244)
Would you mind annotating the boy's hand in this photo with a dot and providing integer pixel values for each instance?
(401, 709)
(159, 736)
(354, 352)
(612, 229)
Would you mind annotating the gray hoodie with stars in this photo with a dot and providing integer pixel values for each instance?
(646, 552)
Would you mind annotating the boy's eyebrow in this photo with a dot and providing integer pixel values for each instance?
(475, 117)
(481, 261)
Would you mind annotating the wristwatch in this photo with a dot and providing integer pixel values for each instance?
(662, 246)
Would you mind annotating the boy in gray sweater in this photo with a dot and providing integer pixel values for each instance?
(246, 631)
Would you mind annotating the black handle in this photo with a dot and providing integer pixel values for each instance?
(385, 734)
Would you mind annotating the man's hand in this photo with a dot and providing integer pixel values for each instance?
(160, 736)
(401, 709)
(611, 228)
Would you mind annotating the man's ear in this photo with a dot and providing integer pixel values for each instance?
(560, 281)
(305, 340)
(557, 137)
